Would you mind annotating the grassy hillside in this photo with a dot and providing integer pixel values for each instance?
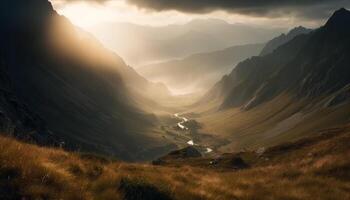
(313, 168)
(279, 120)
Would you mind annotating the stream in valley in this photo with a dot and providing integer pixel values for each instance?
(183, 127)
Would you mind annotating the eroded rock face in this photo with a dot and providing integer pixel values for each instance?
(340, 97)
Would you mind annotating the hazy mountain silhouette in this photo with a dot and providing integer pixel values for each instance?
(198, 72)
(141, 45)
(283, 38)
(81, 91)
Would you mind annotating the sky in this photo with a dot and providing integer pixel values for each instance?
(271, 13)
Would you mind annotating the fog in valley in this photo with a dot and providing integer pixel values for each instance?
(174, 99)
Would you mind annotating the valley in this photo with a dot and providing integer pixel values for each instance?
(198, 110)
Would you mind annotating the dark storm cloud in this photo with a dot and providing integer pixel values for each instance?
(271, 8)
(94, 1)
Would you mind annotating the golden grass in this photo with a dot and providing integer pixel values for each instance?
(310, 170)
(279, 120)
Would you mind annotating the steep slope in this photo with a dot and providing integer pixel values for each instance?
(301, 86)
(17, 120)
(282, 39)
(310, 65)
(75, 85)
(249, 74)
(199, 71)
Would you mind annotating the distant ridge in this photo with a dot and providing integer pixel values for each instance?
(141, 45)
(197, 72)
(283, 38)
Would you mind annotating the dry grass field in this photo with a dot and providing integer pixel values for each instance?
(317, 167)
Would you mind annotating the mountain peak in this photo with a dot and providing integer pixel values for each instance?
(340, 17)
(297, 31)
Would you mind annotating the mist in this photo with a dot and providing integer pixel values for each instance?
(174, 100)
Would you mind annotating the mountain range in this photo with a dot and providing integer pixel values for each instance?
(301, 86)
(141, 45)
(186, 75)
(74, 115)
(283, 38)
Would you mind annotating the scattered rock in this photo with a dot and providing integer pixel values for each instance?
(158, 162)
(188, 152)
(213, 162)
(260, 151)
(216, 160)
(238, 163)
(139, 190)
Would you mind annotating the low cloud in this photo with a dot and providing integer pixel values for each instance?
(92, 1)
(313, 9)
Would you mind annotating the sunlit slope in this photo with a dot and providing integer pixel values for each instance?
(302, 85)
(279, 120)
(313, 168)
(86, 95)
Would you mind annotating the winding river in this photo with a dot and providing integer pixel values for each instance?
(182, 126)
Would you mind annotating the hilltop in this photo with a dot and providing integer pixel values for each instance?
(313, 168)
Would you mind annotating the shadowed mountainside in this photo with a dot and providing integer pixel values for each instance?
(309, 65)
(301, 86)
(282, 39)
(59, 86)
(85, 94)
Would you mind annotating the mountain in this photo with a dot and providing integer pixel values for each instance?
(141, 45)
(278, 122)
(309, 66)
(198, 72)
(282, 39)
(301, 86)
(57, 78)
